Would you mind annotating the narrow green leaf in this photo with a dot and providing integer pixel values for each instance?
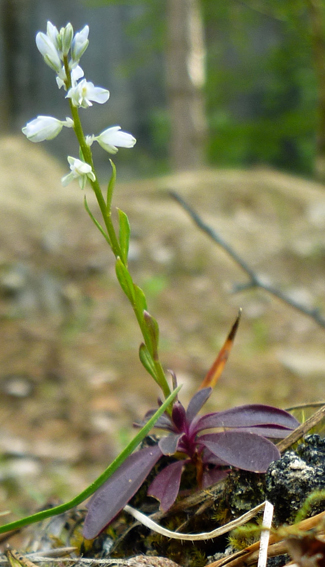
(124, 235)
(147, 361)
(125, 280)
(110, 188)
(99, 226)
(140, 298)
(39, 516)
(153, 330)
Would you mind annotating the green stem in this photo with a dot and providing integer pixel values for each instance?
(161, 377)
(86, 152)
(39, 516)
(105, 209)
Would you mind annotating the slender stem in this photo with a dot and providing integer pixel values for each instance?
(86, 152)
(105, 208)
(39, 516)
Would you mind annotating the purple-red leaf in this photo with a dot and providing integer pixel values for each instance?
(270, 431)
(212, 476)
(179, 416)
(118, 490)
(163, 422)
(197, 402)
(165, 486)
(168, 445)
(246, 451)
(248, 416)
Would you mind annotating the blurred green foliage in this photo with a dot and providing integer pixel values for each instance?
(261, 89)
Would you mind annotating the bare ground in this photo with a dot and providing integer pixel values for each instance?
(70, 380)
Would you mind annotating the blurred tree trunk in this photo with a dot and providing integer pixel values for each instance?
(16, 72)
(185, 81)
(316, 11)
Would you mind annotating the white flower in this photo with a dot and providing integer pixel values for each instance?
(79, 170)
(76, 74)
(84, 92)
(53, 34)
(49, 50)
(79, 44)
(45, 128)
(65, 39)
(113, 137)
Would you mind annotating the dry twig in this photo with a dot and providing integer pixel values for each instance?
(255, 280)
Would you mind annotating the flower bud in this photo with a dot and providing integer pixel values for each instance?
(49, 51)
(79, 44)
(114, 137)
(43, 128)
(66, 36)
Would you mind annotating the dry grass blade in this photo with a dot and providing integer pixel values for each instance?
(149, 523)
(16, 559)
(265, 534)
(249, 555)
(314, 420)
(217, 367)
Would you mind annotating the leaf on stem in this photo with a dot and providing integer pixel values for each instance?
(217, 367)
(146, 361)
(124, 235)
(95, 221)
(140, 298)
(110, 188)
(125, 280)
(153, 332)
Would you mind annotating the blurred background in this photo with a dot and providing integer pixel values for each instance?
(225, 83)
(227, 102)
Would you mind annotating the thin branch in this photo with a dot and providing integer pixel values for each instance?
(300, 431)
(255, 281)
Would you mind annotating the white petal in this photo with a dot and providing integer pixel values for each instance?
(42, 128)
(50, 54)
(97, 94)
(66, 179)
(76, 74)
(52, 32)
(66, 36)
(114, 137)
(80, 43)
(84, 92)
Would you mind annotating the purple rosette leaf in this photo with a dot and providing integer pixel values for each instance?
(197, 402)
(270, 431)
(246, 451)
(111, 498)
(166, 485)
(179, 417)
(248, 416)
(212, 476)
(209, 458)
(163, 422)
(169, 445)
